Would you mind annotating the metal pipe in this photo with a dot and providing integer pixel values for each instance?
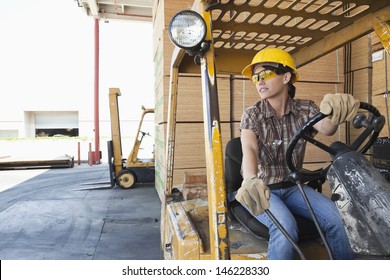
(305, 198)
(386, 95)
(78, 154)
(90, 155)
(96, 95)
(285, 233)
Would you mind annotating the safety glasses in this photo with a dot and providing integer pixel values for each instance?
(264, 75)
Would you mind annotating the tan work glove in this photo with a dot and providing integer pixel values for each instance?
(254, 194)
(343, 107)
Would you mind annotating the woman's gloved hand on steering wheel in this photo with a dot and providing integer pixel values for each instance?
(254, 194)
(342, 107)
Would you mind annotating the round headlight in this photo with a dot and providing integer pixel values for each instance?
(187, 29)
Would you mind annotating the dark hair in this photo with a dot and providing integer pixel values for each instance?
(291, 90)
(280, 69)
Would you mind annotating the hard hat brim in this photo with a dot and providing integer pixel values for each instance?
(247, 71)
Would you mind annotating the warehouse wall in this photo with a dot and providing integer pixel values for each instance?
(366, 75)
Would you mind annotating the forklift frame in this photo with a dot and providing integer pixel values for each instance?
(224, 20)
(128, 172)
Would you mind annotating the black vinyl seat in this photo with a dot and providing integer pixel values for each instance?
(233, 177)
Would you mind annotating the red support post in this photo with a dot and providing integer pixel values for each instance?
(96, 95)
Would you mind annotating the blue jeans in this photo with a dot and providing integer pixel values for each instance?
(284, 202)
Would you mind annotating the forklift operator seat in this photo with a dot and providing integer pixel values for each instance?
(233, 178)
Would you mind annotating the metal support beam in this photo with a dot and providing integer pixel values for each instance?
(216, 189)
(115, 129)
(93, 7)
(177, 57)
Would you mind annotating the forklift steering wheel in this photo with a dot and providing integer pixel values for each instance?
(373, 125)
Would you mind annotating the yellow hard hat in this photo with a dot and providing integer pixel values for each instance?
(272, 55)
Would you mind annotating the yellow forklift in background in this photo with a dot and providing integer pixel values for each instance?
(126, 173)
(222, 37)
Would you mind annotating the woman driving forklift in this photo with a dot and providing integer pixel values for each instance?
(266, 129)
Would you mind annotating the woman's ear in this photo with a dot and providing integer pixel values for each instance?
(286, 77)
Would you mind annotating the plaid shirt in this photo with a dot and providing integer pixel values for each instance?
(273, 136)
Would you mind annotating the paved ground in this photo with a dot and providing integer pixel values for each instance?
(49, 217)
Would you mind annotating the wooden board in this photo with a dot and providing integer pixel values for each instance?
(7, 163)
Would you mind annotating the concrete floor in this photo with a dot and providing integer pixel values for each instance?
(48, 216)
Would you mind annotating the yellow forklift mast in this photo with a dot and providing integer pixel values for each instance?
(126, 173)
(200, 228)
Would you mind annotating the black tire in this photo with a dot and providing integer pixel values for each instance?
(126, 179)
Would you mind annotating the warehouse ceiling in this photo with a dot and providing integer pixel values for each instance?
(138, 10)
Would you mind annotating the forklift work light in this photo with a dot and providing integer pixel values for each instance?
(187, 30)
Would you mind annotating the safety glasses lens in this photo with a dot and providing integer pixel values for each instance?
(263, 75)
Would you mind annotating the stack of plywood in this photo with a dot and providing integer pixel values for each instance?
(361, 68)
(359, 74)
(380, 65)
(189, 142)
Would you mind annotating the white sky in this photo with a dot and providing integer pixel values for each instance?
(47, 56)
